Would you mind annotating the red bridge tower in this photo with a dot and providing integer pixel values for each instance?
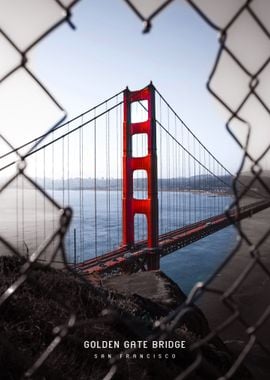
(131, 205)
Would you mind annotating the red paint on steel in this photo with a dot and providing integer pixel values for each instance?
(131, 205)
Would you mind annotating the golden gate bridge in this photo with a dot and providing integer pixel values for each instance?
(140, 183)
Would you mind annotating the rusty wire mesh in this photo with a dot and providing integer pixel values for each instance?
(227, 297)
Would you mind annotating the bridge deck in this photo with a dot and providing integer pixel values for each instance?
(169, 242)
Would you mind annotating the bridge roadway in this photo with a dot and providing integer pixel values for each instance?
(170, 241)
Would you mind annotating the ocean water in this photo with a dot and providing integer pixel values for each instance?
(27, 218)
(197, 261)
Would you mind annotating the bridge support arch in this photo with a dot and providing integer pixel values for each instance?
(131, 205)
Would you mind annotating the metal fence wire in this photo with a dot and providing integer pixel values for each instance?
(29, 281)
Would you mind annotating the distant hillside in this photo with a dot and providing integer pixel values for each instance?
(257, 186)
(265, 173)
(202, 182)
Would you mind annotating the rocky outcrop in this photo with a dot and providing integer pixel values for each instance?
(158, 295)
(41, 307)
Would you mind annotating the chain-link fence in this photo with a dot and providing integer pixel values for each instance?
(55, 323)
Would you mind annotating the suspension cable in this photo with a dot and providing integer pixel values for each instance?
(41, 137)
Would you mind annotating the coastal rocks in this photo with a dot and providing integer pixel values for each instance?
(43, 306)
(158, 295)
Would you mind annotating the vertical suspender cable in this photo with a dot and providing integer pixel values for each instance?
(200, 184)
(36, 205)
(107, 190)
(189, 186)
(215, 187)
(209, 190)
(82, 186)
(17, 211)
(204, 181)
(176, 194)
(22, 205)
(53, 223)
(68, 196)
(109, 182)
(183, 163)
(80, 192)
(117, 173)
(63, 171)
(44, 199)
(95, 183)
